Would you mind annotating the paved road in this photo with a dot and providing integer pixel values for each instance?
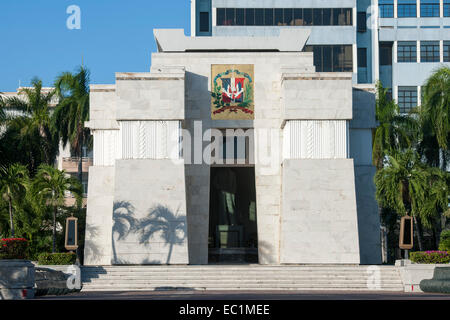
(247, 295)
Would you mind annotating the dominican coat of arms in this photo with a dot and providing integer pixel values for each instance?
(232, 92)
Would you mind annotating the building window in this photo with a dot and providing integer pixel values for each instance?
(240, 17)
(250, 17)
(446, 8)
(362, 22)
(446, 51)
(362, 57)
(407, 98)
(220, 16)
(407, 51)
(342, 17)
(268, 17)
(407, 8)
(386, 54)
(204, 21)
(259, 17)
(288, 17)
(429, 51)
(429, 8)
(279, 21)
(317, 17)
(298, 17)
(85, 188)
(307, 17)
(332, 58)
(229, 15)
(284, 17)
(386, 8)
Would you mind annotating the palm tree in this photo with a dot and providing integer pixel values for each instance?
(29, 129)
(394, 132)
(72, 111)
(50, 186)
(2, 110)
(410, 187)
(13, 187)
(436, 103)
(33, 118)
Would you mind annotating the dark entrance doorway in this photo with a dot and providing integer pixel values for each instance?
(232, 216)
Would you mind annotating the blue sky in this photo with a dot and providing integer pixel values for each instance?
(115, 36)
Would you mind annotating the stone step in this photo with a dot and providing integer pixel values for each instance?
(228, 278)
(239, 287)
(235, 271)
(306, 289)
(234, 267)
(233, 277)
(315, 280)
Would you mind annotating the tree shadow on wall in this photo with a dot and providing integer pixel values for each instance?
(124, 224)
(162, 220)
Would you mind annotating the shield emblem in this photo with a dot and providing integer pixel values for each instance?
(232, 92)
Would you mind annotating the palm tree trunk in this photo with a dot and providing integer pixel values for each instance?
(54, 229)
(419, 238)
(11, 218)
(170, 253)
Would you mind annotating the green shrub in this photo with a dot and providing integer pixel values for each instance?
(57, 258)
(430, 257)
(444, 243)
(13, 248)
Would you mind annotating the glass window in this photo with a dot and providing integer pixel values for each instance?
(362, 22)
(317, 17)
(348, 59)
(239, 17)
(348, 14)
(407, 51)
(288, 17)
(249, 17)
(298, 17)
(284, 17)
(229, 17)
(407, 98)
(204, 21)
(342, 17)
(307, 17)
(337, 58)
(446, 8)
(327, 17)
(429, 8)
(385, 54)
(446, 51)
(362, 57)
(268, 17)
(279, 17)
(429, 51)
(259, 17)
(220, 17)
(327, 59)
(318, 58)
(386, 8)
(406, 8)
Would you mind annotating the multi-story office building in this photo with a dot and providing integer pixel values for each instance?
(399, 42)
(414, 40)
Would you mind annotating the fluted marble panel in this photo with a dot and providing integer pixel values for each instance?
(315, 139)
